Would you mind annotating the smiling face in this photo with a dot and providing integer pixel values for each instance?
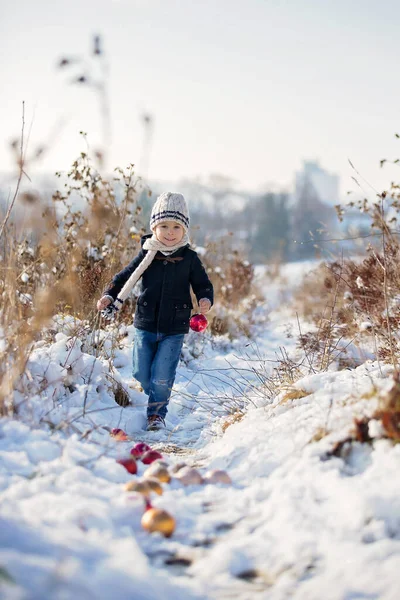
(169, 233)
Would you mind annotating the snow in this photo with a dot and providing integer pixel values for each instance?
(299, 521)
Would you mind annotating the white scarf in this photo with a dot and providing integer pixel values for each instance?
(152, 245)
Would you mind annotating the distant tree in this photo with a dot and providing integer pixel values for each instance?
(310, 217)
(216, 209)
(271, 227)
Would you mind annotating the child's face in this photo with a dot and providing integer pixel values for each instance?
(169, 233)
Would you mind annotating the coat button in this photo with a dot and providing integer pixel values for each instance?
(144, 303)
(185, 306)
(165, 262)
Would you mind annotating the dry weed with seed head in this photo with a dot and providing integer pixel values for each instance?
(355, 299)
(236, 293)
(102, 236)
(57, 265)
(62, 257)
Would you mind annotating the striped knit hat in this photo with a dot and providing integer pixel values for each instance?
(170, 206)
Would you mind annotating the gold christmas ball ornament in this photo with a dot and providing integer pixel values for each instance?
(189, 476)
(161, 463)
(156, 519)
(217, 476)
(178, 467)
(158, 472)
(155, 486)
(141, 487)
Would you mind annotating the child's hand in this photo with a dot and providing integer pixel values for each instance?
(204, 305)
(103, 302)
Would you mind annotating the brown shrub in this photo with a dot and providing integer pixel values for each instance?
(351, 299)
(236, 294)
(69, 252)
(389, 409)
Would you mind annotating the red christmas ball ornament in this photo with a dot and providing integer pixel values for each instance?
(198, 322)
(129, 463)
(139, 449)
(118, 434)
(150, 456)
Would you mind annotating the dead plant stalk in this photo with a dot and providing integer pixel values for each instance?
(20, 174)
(385, 283)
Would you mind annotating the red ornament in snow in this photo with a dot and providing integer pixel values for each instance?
(129, 463)
(150, 456)
(139, 449)
(118, 434)
(198, 322)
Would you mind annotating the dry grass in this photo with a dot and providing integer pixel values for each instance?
(348, 300)
(61, 258)
(293, 393)
(389, 410)
(235, 417)
(235, 291)
(319, 434)
(356, 299)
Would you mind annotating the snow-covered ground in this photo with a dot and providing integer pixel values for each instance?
(299, 520)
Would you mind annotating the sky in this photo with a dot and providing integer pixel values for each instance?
(247, 89)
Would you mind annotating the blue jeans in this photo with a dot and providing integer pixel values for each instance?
(155, 360)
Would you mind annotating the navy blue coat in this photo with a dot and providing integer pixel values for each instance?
(164, 304)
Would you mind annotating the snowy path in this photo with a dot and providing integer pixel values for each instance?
(297, 522)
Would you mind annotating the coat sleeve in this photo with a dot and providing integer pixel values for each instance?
(122, 277)
(199, 280)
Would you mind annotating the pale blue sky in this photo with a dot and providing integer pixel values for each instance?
(245, 88)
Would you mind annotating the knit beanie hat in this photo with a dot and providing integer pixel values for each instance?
(170, 206)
